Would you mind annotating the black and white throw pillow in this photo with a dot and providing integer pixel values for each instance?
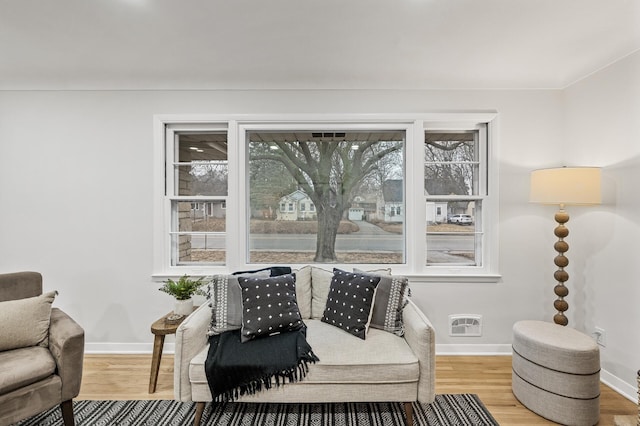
(269, 306)
(391, 297)
(350, 301)
(225, 299)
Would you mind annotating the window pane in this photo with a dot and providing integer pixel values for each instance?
(451, 165)
(198, 232)
(202, 166)
(453, 232)
(329, 196)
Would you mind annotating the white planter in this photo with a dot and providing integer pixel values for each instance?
(183, 307)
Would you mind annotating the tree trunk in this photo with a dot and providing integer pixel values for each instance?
(328, 223)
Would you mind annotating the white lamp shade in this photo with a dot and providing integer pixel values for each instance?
(566, 185)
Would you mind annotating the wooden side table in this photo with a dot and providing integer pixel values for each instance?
(160, 328)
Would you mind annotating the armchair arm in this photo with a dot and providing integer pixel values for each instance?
(191, 338)
(420, 336)
(66, 344)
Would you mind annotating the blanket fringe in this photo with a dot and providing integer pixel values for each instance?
(290, 375)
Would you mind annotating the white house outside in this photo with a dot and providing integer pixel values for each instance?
(296, 206)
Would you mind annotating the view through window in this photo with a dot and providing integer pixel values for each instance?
(326, 196)
(454, 186)
(198, 201)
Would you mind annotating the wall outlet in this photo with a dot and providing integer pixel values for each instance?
(600, 336)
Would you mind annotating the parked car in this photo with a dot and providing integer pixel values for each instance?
(461, 219)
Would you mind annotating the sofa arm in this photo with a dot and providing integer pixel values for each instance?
(420, 336)
(191, 338)
(66, 344)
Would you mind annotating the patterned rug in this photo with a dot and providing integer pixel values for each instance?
(446, 410)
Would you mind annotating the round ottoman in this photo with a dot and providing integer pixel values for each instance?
(556, 372)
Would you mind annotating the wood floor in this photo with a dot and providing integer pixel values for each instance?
(127, 377)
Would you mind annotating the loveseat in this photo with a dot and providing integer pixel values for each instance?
(41, 351)
(386, 366)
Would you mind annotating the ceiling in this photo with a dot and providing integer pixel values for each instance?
(311, 44)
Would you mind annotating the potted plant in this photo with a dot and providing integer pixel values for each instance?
(183, 291)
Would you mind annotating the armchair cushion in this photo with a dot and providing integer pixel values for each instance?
(24, 366)
(25, 322)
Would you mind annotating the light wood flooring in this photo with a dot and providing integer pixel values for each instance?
(127, 377)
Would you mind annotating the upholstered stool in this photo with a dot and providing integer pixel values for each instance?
(556, 372)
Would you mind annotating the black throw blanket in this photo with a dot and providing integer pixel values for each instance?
(234, 369)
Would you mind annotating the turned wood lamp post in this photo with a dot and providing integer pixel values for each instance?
(564, 186)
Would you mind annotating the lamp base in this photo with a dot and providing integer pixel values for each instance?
(561, 262)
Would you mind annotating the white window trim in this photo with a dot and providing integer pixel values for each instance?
(414, 124)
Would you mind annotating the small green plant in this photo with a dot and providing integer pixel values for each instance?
(184, 288)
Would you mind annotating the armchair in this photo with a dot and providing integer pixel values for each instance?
(36, 377)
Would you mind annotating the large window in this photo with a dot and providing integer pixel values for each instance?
(328, 170)
(411, 193)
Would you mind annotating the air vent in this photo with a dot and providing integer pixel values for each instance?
(467, 325)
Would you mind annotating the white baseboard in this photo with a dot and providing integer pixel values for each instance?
(471, 349)
(623, 388)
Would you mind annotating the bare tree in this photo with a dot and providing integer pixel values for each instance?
(328, 171)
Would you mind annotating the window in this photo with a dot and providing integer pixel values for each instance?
(327, 169)
(196, 181)
(455, 176)
(413, 193)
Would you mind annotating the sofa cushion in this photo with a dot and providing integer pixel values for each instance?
(225, 299)
(350, 301)
(381, 358)
(24, 366)
(25, 322)
(303, 290)
(268, 306)
(391, 298)
(320, 283)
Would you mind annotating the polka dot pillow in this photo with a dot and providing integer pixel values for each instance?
(269, 306)
(350, 301)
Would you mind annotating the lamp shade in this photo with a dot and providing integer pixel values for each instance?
(566, 185)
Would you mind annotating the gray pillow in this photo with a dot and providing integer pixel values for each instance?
(225, 299)
(350, 300)
(391, 297)
(269, 306)
(25, 322)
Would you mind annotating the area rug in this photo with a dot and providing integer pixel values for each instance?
(446, 410)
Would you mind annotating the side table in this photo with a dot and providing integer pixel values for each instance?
(160, 328)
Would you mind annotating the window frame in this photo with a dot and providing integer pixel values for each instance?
(414, 125)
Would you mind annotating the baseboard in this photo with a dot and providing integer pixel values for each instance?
(618, 385)
(473, 349)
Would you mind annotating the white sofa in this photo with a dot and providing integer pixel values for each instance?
(382, 368)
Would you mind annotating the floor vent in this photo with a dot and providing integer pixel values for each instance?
(465, 325)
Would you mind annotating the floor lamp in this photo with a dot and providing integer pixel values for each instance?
(564, 186)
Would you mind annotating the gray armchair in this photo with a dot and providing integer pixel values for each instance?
(36, 378)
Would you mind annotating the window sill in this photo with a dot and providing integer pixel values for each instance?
(455, 278)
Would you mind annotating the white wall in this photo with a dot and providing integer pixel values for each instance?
(76, 200)
(602, 129)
